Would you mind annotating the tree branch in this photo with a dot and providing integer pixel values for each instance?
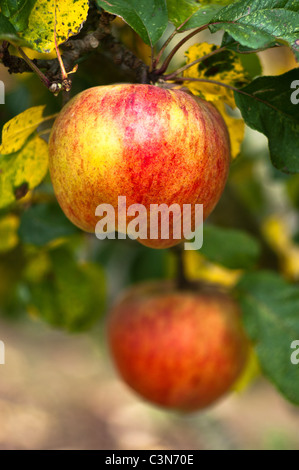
(100, 39)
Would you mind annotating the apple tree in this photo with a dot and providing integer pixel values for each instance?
(50, 51)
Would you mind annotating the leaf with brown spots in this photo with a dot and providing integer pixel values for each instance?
(225, 67)
(22, 170)
(66, 17)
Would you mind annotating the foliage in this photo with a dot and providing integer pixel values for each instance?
(51, 270)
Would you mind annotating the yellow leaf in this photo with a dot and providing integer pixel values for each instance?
(224, 67)
(250, 373)
(37, 267)
(23, 170)
(290, 263)
(16, 131)
(37, 55)
(66, 17)
(278, 234)
(236, 128)
(8, 232)
(198, 267)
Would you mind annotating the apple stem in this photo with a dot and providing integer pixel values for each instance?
(35, 69)
(191, 64)
(181, 279)
(168, 59)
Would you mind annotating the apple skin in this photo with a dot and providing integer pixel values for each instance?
(150, 144)
(181, 350)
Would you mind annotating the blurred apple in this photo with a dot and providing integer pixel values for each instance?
(178, 349)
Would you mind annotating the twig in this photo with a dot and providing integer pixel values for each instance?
(197, 61)
(74, 49)
(225, 85)
(35, 69)
(168, 59)
(167, 42)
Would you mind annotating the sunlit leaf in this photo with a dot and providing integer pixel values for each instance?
(236, 128)
(250, 372)
(224, 67)
(278, 234)
(198, 267)
(16, 131)
(66, 17)
(8, 232)
(22, 170)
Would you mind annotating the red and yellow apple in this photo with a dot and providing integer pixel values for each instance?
(149, 144)
(179, 349)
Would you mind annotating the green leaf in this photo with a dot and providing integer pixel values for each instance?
(217, 2)
(257, 23)
(8, 32)
(22, 170)
(251, 64)
(230, 43)
(233, 249)
(201, 17)
(44, 223)
(148, 18)
(292, 187)
(149, 264)
(267, 108)
(71, 295)
(18, 12)
(180, 10)
(270, 307)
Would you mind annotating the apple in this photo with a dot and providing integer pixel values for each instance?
(178, 349)
(150, 144)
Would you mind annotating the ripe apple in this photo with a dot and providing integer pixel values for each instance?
(149, 144)
(178, 349)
